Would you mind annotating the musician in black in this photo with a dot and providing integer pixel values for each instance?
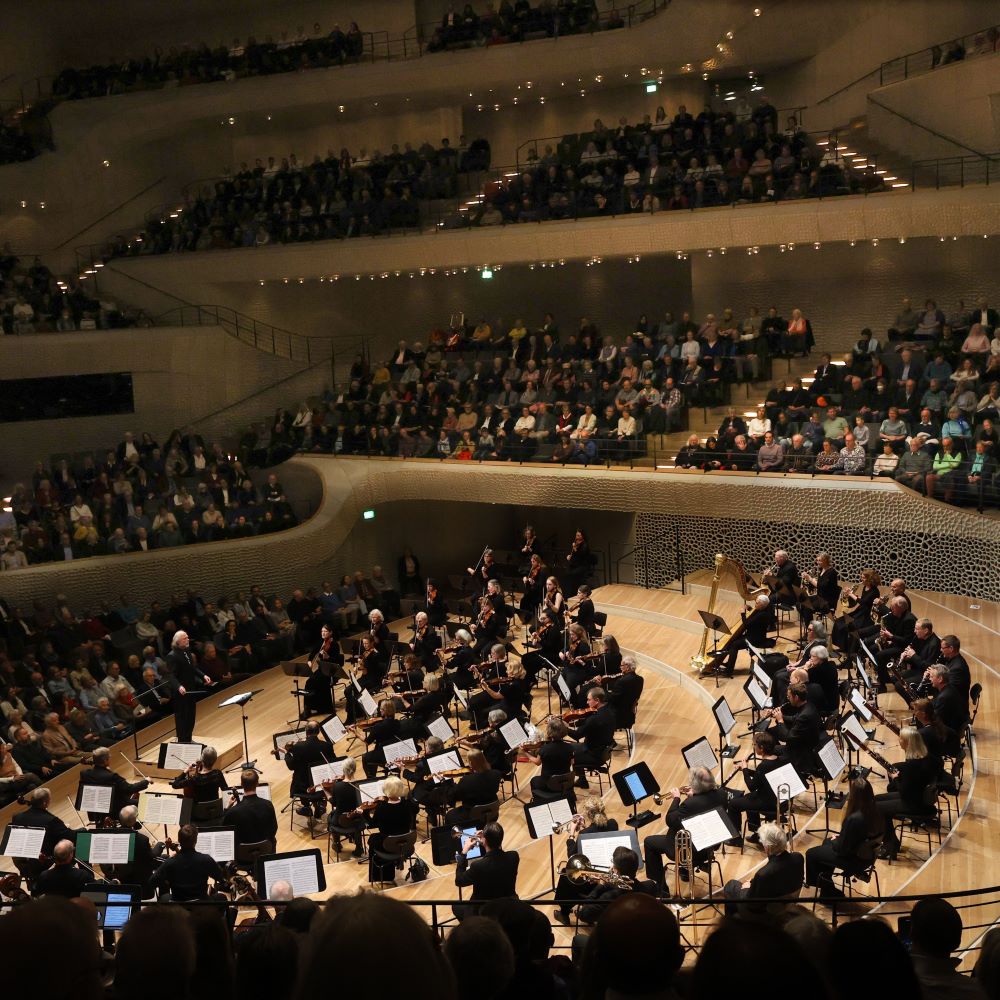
(425, 641)
(895, 634)
(145, 853)
(531, 546)
(437, 608)
(533, 583)
(782, 875)
(494, 746)
(385, 731)
(949, 706)
(823, 671)
(624, 865)
(391, 818)
(510, 693)
(780, 679)
(483, 572)
(477, 788)
(547, 641)
(823, 589)
(64, 878)
(492, 876)
(702, 795)
(252, 816)
(101, 774)
(324, 662)
(759, 797)
(907, 792)
(752, 632)
(37, 815)
(425, 791)
(370, 673)
(924, 649)
(785, 580)
(579, 564)
(300, 757)
(344, 799)
(803, 734)
(494, 593)
(938, 738)
(624, 691)
(583, 611)
(203, 781)
(577, 662)
(379, 631)
(423, 709)
(488, 629)
(859, 610)
(554, 756)
(597, 733)
(460, 662)
(959, 675)
(185, 876)
(187, 682)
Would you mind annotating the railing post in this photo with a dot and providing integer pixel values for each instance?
(961, 171)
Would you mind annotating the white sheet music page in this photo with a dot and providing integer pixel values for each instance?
(560, 810)
(831, 759)
(334, 729)
(24, 841)
(785, 775)
(182, 755)
(440, 728)
(725, 718)
(513, 732)
(402, 748)
(763, 677)
(758, 695)
(108, 849)
(707, 829)
(541, 820)
(327, 772)
(220, 844)
(600, 849)
(852, 725)
(701, 755)
(446, 761)
(299, 872)
(367, 702)
(370, 790)
(160, 809)
(96, 798)
(858, 701)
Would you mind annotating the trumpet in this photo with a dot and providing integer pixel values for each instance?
(659, 798)
(579, 869)
(572, 824)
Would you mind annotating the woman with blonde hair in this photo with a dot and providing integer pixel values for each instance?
(391, 818)
(908, 791)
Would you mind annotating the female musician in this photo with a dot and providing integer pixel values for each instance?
(938, 738)
(534, 589)
(383, 732)
(555, 755)
(477, 788)
(908, 784)
(591, 818)
(759, 797)
(859, 608)
(202, 781)
(487, 628)
(425, 641)
(577, 665)
(423, 708)
(483, 701)
(370, 674)
(344, 798)
(411, 677)
(484, 572)
(553, 597)
(513, 696)
(391, 818)
(425, 791)
(853, 849)
(437, 609)
(578, 563)
(548, 642)
(323, 659)
(584, 608)
(532, 546)
(461, 661)
(378, 630)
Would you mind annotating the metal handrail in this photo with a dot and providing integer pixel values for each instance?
(969, 170)
(912, 66)
(922, 127)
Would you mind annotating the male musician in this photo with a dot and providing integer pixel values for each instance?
(425, 641)
(188, 680)
(869, 629)
(948, 704)
(923, 650)
(827, 588)
(385, 731)
(101, 774)
(252, 816)
(597, 732)
(782, 875)
(477, 788)
(185, 876)
(759, 796)
(548, 642)
(493, 876)
(554, 756)
(461, 660)
(624, 864)
(624, 691)
(785, 580)
(299, 759)
(437, 608)
(803, 735)
(894, 635)
(489, 627)
(64, 878)
(423, 709)
(37, 815)
(753, 632)
(140, 869)
(203, 781)
(959, 676)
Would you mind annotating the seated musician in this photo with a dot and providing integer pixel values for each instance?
(251, 816)
(859, 610)
(823, 671)
(101, 774)
(611, 656)
(378, 630)
(494, 746)
(483, 701)
(202, 781)
(578, 665)
(554, 756)
(461, 660)
(425, 641)
(780, 679)
(959, 676)
(411, 677)
(753, 632)
(547, 640)
(895, 634)
(489, 628)
(37, 815)
(702, 794)
(494, 591)
(512, 695)
(385, 731)
(426, 791)
(624, 691)
(597, 732)
(185, 876)
(323, 662)
(909, 782)
(391, 818)
(870, 628)
(759, 797)
(344, 799)
(423, 709)
(782, 875)
(803, 734)
(624, 865)
(370, 673)
(145, 853)
(64, 878)
(585, 610)
(826, 586)
(483, 572)
(477, 788)
(493, 876)
(949, 706)
(853, 849)
(437, 608)
(940, 741)
(923, 650)
(534, 589)
(784, 580)
(591, 817)
(300, 758)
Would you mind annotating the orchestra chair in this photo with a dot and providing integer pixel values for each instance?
(601, 770)
(207, 813)
(629, 730)
(489, 812)
(247, 854)
(600, 620)
(336, 835)
(307, 801)
(975, 696)
(866, 874)
(950, 784)
(922, 823)
(708, 867)
(515, 787)
(557, 786)
(398, 849)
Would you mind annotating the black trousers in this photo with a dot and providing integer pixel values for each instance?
(184, 711)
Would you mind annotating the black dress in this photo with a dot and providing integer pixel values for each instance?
(391, 819)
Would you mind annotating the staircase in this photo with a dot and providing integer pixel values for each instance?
(861, 151)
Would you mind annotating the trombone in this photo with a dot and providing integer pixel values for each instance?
(579, 869)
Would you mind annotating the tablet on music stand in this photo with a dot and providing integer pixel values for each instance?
(635, 783)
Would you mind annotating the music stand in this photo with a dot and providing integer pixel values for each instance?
(243, 699)
(296, 669)
(716, 624)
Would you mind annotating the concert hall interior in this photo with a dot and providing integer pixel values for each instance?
(512, 486)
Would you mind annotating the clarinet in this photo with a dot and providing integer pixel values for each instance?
(893, 727)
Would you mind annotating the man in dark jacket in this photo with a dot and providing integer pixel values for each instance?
(781, 876)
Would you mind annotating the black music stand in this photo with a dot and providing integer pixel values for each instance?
(296, 669)
(716, 624)
(243, 699)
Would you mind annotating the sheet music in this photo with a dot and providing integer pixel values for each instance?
(157, 808)
(263, 792)
(299, 871)
(334, 729)
(786, 775)
(220, 844)
(404, 748)
(356, 683)
(96, 798)
(513, 732)
(859, 703)
(724, 717)
(701, 754)
(600, 849)
(367, 702)
(831, 759)
(327, 772)
(463, 697)
(862, 673)
(370, 790)
(236, 699)
(24, 842)
(109, 848)
(546, 816)
(446, 761)
(440, 728)
(563, 688)
(182, 755)
(707, 829)
(758, 695)
(763, 677)
(852, 726)
(864, 645)
(281, 740)
(754, 652)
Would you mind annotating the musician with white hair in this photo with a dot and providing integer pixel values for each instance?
(188, 680)
(781, 876)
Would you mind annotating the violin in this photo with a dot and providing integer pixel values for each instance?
(455, 772)
(365, 807)
(323, 786)
(577, 713)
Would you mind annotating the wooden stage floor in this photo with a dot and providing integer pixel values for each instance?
(663, 628)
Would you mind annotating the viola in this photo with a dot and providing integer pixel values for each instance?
(577, 713)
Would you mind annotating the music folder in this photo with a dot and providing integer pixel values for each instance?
(700, 753)
(709, 829)
(22, 842)
(543, 818)
(303, 870)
